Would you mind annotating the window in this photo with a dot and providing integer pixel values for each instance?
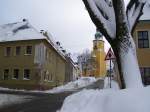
(16, 74)
(6, 74)
(95, 47)
(51, 57)
(45, 76)
(26, 74)
(8, 51)
(29, 50)
(145, 72)
(50, 77)
(143, 39)
(18, 50)
(47, 54)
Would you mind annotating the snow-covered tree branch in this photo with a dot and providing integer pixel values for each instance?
(102, 14)
(116, 24)
(134, 12)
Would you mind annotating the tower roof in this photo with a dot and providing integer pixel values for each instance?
(98, 35)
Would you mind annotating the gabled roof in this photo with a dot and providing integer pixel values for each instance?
(24, 31)
(19, 31)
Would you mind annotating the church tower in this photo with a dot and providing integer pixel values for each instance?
(98, 56)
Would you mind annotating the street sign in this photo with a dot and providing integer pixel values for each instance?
(110, 55)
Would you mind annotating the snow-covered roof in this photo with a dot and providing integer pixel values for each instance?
(24, 31)
(19, 31)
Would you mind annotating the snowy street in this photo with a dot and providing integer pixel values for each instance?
(37, 102)
(44, 101)
(8, 99)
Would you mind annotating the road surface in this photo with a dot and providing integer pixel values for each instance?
(43, 102)
(39, 103)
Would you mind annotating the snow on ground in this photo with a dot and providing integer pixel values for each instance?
(8, 89)
(7, 99)
(109, 100)
(114, 84)
(82, 82)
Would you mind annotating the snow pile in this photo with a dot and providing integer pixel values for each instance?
(71, 86)
(19, 31)
(82, 82)
(21, 90)
(2, 88)
(114, 84)
(7, 99)
(108, 100)
(8, 89)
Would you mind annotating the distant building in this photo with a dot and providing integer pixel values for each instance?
(95, 65)
(30, 60)
(98, 56)
(142, 40)
(71, 70)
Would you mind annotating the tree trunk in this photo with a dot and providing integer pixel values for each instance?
(125, 52)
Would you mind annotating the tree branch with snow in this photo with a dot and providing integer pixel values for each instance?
(134, 12)
(116, 24)
(102, 14)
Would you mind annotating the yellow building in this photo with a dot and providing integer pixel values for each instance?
(95, 64)
(98, 55)
(30, 60)
(142, 40)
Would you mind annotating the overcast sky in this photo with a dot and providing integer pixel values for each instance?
(66, 20)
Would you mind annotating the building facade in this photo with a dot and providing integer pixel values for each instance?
(142, 40)
(71, 70)
(95, 64)
(98, 56)
(28, 59)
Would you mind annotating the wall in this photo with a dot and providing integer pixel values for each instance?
(20, 62)
(143, 54)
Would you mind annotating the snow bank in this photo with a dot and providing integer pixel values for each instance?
(82, 82)
(114, 84)
(71, 86)
(8, 89)
(108, 100)
(7, 99)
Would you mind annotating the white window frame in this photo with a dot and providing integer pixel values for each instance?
(29, 74)
(136, 38)
(5, 51)
(26, 50)
(13, 74)
(16, 51)
(4, 73)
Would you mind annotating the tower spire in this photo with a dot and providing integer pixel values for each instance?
(98, 35)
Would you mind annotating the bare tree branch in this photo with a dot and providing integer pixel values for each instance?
(134, 12)
(102, 14)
